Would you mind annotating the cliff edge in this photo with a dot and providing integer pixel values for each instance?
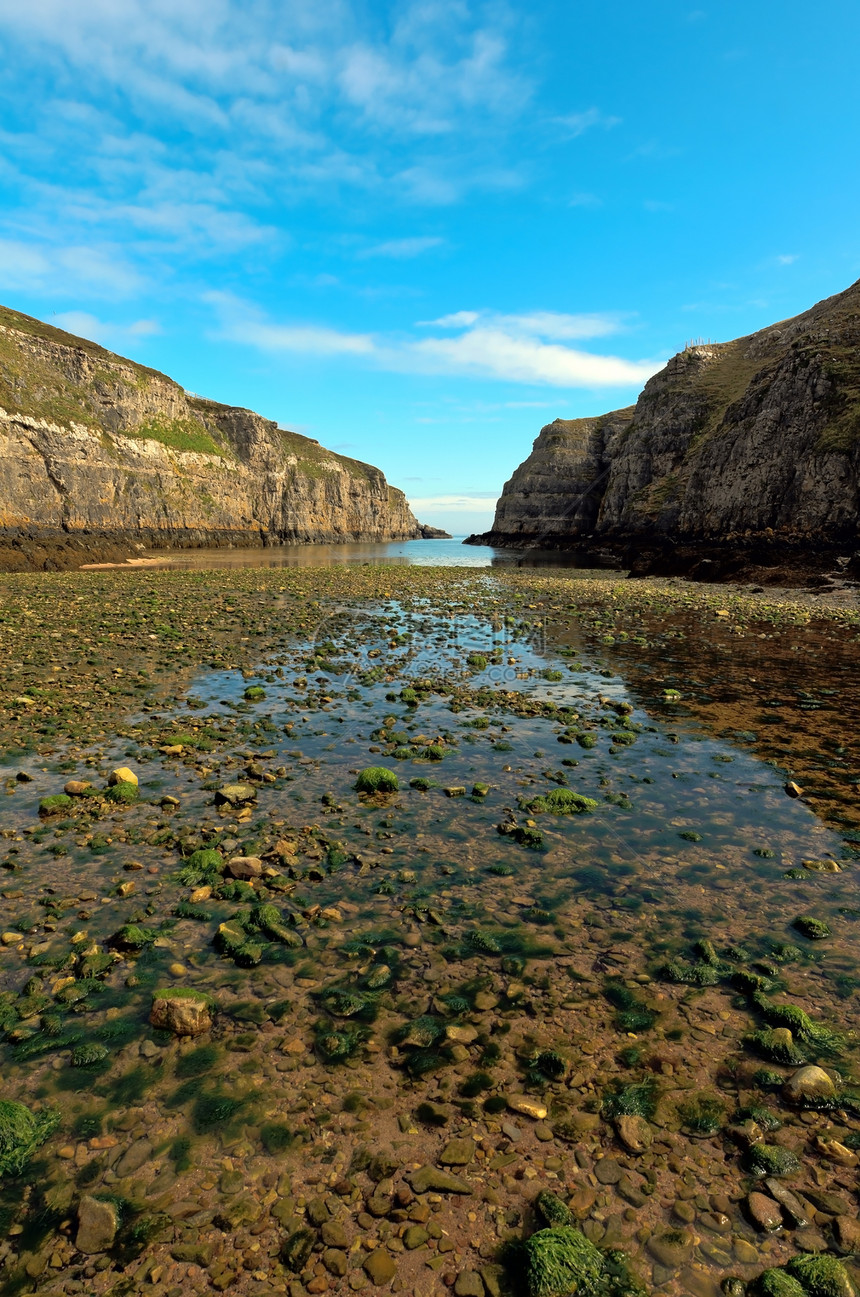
(99, 455)
(750, 447)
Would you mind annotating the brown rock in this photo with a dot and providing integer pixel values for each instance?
(764, 1213)
(245, 867)
(809, 1085)
(97, 1225)
(183, 1011)
(635, 1133)
(458, 1152)
(672, 1248)
(76, 787)
(846, 1231)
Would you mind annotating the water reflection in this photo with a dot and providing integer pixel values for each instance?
(420, 553)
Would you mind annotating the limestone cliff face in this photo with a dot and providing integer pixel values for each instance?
(97, 451)
(759, 437)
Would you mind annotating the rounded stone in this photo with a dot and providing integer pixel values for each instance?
(469, 1284)
(380, 1267)
(809, 1085)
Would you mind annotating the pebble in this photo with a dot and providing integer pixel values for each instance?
(527, 1106)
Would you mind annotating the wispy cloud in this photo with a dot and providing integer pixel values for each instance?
(511, 348)
(456, 502)
(575, 124)
(402, 249)
(109, 333)
(38, 266)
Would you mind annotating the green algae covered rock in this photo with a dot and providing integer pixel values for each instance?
(21, 1133)
(561, 801)
(811, 928)
(776, 1283)
(821, 1276)
(123, 793)
(376, 779)
(560, 1262)
(553, 1209)
(55, 805)
(772, 1159)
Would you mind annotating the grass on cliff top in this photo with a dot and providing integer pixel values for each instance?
(48, 333)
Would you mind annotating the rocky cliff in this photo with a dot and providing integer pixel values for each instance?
(99, 454)
(752, 444)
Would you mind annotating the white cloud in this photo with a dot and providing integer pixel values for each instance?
(496, 353)
(402, 249)
(543, 324)
(575, 124)
(89, 326)
(183, 131)
(40, 267)
(455, 503)
(787, 259)
(510, 348)
(240, 323)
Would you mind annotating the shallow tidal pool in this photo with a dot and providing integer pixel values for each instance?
(578, 938)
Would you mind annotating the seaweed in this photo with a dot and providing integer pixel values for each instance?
(21, 1133)
(636, 1100)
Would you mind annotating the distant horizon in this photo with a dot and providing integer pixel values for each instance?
(419, 232)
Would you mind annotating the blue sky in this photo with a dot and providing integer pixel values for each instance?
(419, 231)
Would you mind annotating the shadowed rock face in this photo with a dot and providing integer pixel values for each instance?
(759, 437)
(97, 453)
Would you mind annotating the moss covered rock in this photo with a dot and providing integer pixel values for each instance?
(376, 779)
(560, 1262)
(21, 1133)
(821, 1276)
(776, 1283)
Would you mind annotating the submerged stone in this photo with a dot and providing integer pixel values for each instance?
(430, 1179)
(97, 1225)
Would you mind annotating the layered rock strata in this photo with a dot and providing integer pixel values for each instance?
(99, 454)
(753, 444)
